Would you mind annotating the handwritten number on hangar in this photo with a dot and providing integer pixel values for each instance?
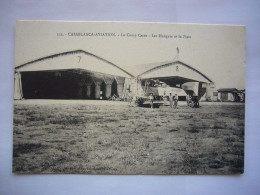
(79, 58)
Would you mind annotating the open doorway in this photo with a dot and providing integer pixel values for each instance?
(93, 91)
(103, 91)
(114, 89)
(84, 91)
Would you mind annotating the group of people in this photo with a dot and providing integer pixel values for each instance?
(172, 99)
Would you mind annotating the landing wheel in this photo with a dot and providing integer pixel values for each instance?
(139, 102)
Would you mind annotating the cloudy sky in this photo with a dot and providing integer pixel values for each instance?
(217, 51)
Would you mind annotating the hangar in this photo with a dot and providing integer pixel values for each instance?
(174, 74)
(70, 75)
(82, 75)
(231, 95)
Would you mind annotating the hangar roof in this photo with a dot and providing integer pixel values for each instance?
(80, 59)
(167, 69)
(77, 59)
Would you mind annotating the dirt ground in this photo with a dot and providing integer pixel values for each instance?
(104, 137)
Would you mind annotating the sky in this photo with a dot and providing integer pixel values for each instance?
(217, 51)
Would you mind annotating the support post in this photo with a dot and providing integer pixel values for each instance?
(120, 85)
(108, 90)
(97, 95)
(18, 92)
(88, 91)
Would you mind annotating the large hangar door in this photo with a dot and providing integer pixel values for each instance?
(51, 85)
(39, 85)
(68, 84)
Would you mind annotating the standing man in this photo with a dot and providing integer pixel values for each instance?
(130, 98)
(164, 98)
(176, 100)
(151, 99)
(171, 100)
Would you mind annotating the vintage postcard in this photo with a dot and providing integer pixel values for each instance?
(128, 98)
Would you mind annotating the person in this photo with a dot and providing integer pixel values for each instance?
(188, 100)
(171, 100)
(176, 100)
(130, 98)
(164, 98)
(196, 102)
(151, 98)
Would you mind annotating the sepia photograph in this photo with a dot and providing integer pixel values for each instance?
(126, 98)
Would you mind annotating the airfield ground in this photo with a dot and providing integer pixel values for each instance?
(106, 137)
